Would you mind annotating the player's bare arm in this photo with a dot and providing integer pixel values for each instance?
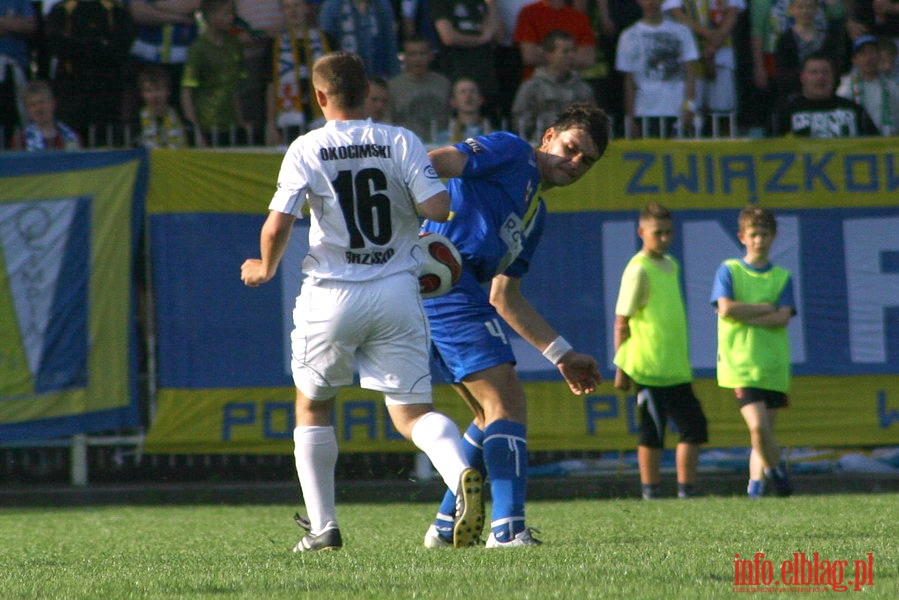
(448, 161)
(436, 208)
(778, 318)
(741, 311)
(622, 333)
(632, 296)
(514, 308)
(579, 370)
(272, 244)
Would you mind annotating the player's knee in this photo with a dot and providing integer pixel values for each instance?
(433, 426)
(309, 411)
(316, 391)
(759, 429)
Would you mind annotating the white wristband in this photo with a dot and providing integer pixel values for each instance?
(556, 350)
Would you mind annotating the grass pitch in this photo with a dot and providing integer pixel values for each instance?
(593, 549)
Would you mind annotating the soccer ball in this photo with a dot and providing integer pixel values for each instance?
(441, 266)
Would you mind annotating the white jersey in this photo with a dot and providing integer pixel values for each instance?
(656, 55)
(362, 182)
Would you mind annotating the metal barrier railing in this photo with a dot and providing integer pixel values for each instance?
(709, 126)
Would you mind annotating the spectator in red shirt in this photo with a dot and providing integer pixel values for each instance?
(537, 19)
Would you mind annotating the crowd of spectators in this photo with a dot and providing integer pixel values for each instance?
(181, 73)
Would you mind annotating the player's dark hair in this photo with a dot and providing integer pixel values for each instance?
(656, 211)
(341, 76)
(588, 117)
(549, 42)
(756, 216)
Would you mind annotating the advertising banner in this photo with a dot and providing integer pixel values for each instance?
(223, 349)
(69, 226)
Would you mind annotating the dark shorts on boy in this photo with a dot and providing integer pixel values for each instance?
(772, 399)
(655, 405)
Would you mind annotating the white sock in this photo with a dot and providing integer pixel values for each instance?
(315, 453)
(438, 437)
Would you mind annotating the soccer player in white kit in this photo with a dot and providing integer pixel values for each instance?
(365, 184)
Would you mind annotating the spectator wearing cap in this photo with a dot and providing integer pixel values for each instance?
(865, 85)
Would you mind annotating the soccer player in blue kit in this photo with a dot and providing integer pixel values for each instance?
(496, 221)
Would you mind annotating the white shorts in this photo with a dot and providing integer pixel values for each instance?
(378, 325)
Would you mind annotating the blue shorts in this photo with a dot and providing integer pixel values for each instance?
(466, 332)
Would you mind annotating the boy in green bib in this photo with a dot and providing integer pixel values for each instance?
(651, 352)
(754, 301)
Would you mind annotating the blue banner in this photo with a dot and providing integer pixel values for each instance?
(844, 263)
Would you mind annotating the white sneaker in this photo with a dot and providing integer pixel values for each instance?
(434, 540)
(524, 538)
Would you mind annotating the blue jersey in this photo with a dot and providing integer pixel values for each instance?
(723, 286)
(497, 217)
(497, 220)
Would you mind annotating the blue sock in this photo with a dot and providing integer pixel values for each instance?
(756, 488)
(472, 447)
(506, 458)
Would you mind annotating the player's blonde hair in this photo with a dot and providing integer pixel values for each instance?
(342, 78)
